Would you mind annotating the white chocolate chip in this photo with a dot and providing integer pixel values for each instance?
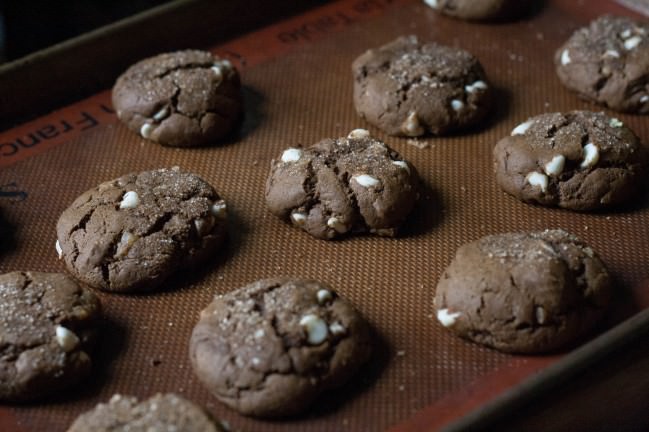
(66, 338)
(402, 164)
(457, 104)
(540, 315)
(626, 34)
(612, 53)
(125, 243)
(591, 155)
(323, 296)
(225, 425)
(256, 361)
(538, 180)
(219, 210)
(58, 249)
(631, 43)
(432, 3)
(411, 126)
(298, 218)
(204, 225)
(146, 130)
(160, 115)
(366, 180)
(615, 123)
(336, 328)
(316, 329)
(359, 134)
(291, 155)
(130, 200)
(644, 99)
(226, 64)
(522, 128)
(259, 333)
(218, 73)
(337, 225)
(555, 166)
(565, 57)
(606, 71)
(478, 85)
(447, 318)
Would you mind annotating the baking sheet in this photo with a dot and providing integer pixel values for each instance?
(298, 86)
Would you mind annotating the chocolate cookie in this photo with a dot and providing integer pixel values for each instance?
(523, 292)
(408, 89)
(269, 348)
(181, 99)
(578, 160)
(342, 185)
(479, 10)
(47, 325)
(131, 233)
(160, 413)
(608, 63)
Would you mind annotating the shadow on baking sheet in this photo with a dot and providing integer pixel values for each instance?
(426, 215)
(7, 235)
(188, 279)
(252, 116)
(535, 8)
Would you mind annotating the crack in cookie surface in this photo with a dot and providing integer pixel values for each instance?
(170, 227)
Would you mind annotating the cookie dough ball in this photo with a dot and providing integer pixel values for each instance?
(344, 185)
(408, 89)
(161, 413)
(479, 10)
(523, 292)
(131, 233)
(608, 63)
(578, 160)
(268, 349)
(47, 325)
(181, 99)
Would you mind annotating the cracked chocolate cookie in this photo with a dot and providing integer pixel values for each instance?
(181, 99)
(608, 63)
(579, 160)
(408, 89)
(479, 10)
(47, 325)
(131, 233)
(160, 413)
(268, 349)
(524, 292)
(343, 185)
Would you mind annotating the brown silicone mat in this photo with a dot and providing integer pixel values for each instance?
(296, 98)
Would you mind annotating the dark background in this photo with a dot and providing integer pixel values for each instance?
(30, 25)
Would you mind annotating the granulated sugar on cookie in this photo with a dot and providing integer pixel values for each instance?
(182, 99)
(578, 160)
(270, 348)
(406, 88)
(131, 233)
(160, 413)
(608, 63)
(48, 325)
(524, 292)
(342, 186)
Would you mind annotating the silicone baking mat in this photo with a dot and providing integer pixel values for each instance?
(298, 86)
